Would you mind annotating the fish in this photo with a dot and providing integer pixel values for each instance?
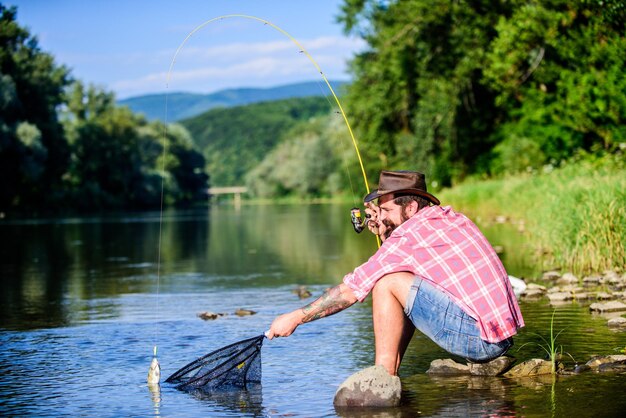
(154, 374)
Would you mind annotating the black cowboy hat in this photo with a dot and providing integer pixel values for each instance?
(406, 182)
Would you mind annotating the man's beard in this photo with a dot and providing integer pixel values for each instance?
(391, 226)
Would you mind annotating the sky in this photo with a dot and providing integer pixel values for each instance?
(128, 46)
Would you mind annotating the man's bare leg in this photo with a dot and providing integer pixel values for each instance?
(392, 329)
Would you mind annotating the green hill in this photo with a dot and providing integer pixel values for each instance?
(186, 105)
(235, 139)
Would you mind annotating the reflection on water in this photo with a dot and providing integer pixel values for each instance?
(80, 313)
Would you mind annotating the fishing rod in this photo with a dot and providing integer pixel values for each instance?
(355, 213)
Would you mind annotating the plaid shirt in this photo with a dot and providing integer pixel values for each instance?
(447, 249)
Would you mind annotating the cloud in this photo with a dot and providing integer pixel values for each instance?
(239, 64)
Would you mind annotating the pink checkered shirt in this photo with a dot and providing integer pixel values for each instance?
(447, 249)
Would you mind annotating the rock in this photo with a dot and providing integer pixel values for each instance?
(371, 387)
(517, 284)
(567, 278)
(493, 368)
(616, 367)
(591, 281)
(582, 296)
(581, 368)
(611, 276)
(597, 361)
(447, 366)
(533, 367)
(209, 316)
(536, 286)
(619, 322)
(551, 275)
(532, 293)
(244, 312)
(612, 306)
(604, 296)
(560, 296)
(571, 288)
(302, 292)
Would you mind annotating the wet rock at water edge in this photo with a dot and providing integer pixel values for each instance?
(551, 275)
(598, 361)
(612, 306)
(604, 296)
(209, 316)
(244, 312)
(604, 364)
(302, 292)
(560, 296)
(532, 367)
(532, 293)
(616, 367)
(591, 281)
(494, 367)
(619, 322)
(567, 278)
(447, 367)
(371, 387)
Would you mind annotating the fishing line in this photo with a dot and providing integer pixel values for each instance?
(343, 152)
(303, 50)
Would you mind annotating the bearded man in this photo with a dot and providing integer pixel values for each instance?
(435, 271)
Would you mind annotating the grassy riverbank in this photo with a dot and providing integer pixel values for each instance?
(575, 214)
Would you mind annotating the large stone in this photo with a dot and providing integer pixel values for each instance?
(532, 367)
(567, 278)
(560, 296)
(447, 367)
(597, 361)
(532, 293)
(618, 322)
(551, 275)
(371, 387)
(613, 306)
(493, 368)
(591, 281)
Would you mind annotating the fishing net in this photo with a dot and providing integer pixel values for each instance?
(235, 366)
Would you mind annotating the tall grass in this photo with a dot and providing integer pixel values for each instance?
(576, 213)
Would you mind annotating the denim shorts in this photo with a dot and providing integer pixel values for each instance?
(435, 315)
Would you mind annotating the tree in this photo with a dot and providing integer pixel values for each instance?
(34, 154)
(120, 161)
(452, 83)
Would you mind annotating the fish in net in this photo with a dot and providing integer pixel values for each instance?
(235, 366)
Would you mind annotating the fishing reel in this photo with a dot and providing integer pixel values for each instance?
(358, 222)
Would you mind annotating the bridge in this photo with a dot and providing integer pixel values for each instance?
(234, 190)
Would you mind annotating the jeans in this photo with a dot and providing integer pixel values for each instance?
(443, 321)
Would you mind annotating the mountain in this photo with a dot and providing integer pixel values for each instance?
(235, 139)
(186, 105)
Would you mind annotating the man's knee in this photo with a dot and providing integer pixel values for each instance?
(396, 284)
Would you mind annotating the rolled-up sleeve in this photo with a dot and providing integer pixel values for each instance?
(391, 257)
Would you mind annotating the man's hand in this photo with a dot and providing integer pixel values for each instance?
(374, 223)
(333, 300)
(284, 325)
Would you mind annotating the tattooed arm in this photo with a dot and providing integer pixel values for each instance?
(333, 300)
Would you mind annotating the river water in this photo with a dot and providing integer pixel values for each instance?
(84, 300)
